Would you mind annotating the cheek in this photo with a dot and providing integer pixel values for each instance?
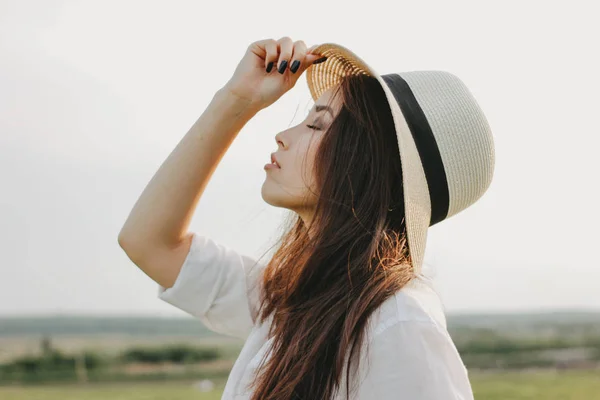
(297, 172)
(307, 165)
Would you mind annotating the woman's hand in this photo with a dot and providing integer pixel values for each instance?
(269, 69)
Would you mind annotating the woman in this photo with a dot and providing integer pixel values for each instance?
(342, 310)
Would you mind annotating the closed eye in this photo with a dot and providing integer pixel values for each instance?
(313, 127)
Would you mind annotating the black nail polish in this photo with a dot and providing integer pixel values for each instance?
(295, 66)
(270, 66)
(282, 66)
(320, 60)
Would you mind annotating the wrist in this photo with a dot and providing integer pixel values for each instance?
(243, 105)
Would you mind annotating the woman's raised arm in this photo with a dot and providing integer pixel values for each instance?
(155, 235)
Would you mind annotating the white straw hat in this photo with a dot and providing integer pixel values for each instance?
(445, 142)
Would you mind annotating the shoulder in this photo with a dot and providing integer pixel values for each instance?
(410, 353)
(417, 303)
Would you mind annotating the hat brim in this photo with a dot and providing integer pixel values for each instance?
(342, 62)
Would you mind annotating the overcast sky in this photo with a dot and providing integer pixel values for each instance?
(95, 95)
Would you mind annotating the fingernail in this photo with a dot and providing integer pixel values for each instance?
(282, 66)
(320, 60)
(295, 66)
(270, 66)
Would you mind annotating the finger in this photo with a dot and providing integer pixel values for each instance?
(286, 47)
(258, 47)
(302, 55)
(314, 58)
(271, 54)
(310, 60)
(298, 55)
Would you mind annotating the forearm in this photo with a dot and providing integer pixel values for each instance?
(162, 214)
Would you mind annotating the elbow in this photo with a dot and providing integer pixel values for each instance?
(123, 240)
(129, 246)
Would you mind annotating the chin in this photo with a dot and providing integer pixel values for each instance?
(273, 195)
(269, 195)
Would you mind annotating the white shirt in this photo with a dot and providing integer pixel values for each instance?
(410, 353)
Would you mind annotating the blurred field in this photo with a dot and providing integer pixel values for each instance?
(125, 391)
(571, 385)
(490, 386)
(551, 356)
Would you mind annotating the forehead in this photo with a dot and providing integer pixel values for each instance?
(329, 98)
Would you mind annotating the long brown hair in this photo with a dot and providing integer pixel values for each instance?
(321, 288)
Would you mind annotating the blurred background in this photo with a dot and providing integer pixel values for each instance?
(95, 95)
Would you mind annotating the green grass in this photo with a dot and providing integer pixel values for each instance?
(494, 386)
(580, 385)
(125, 391)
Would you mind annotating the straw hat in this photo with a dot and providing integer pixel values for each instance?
(445, 142)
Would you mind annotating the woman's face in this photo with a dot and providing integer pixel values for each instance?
(292, 185)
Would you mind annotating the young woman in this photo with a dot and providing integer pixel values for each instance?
(342, 310)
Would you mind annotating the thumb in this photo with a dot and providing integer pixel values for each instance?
(310, 60)
(312, 57)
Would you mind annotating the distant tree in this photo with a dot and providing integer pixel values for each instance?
(46, 345)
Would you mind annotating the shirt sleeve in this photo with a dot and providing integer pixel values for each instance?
(218, 286)
(414, 360)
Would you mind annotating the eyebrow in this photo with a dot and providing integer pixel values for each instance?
(319, 108)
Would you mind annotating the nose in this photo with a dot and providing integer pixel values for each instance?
(279, 139)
